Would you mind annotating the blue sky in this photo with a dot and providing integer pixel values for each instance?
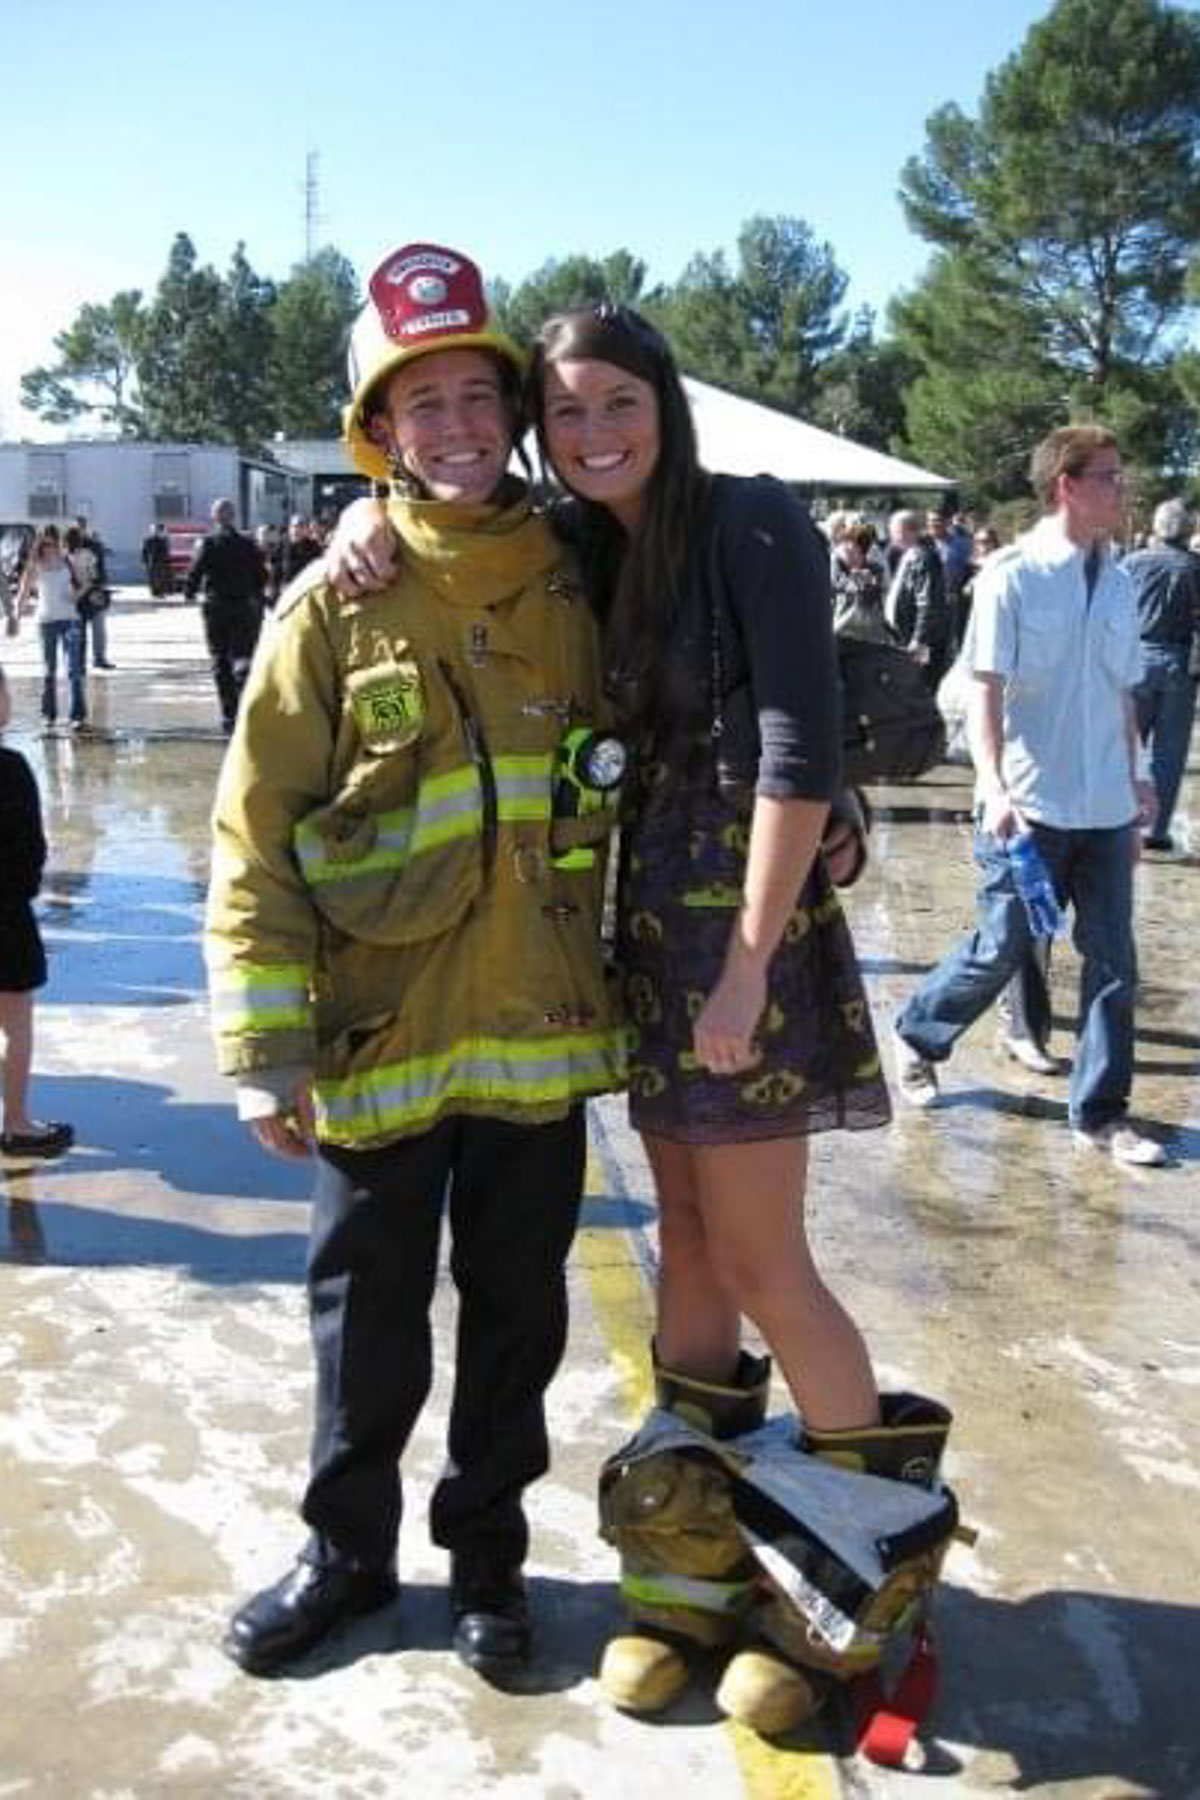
(513, 132)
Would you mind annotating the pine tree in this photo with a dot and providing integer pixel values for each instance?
(1063, 218)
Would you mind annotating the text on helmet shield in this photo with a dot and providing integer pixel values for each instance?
(439, 321)
(395, 272)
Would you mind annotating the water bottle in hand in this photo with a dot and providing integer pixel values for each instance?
(1031, 878)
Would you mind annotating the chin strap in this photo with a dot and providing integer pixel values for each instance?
(885, 1724)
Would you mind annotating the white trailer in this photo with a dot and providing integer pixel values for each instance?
(122, 486)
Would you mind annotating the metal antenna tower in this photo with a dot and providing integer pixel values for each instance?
(312, 217)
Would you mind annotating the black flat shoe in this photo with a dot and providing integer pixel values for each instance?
(491, 1619)
(283, 1622)
(48, 1140)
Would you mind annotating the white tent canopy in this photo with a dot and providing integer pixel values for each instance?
(743, 438)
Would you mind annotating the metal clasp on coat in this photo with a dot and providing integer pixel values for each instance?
(548, 709)
(572, 1016)
(529, 863)
(562, 587)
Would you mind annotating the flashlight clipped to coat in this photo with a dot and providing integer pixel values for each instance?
(588, 773)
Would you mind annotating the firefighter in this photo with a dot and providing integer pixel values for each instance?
(403, 944)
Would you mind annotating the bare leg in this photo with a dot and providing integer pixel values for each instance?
(751, 1203)
(699, 1326)
(16, 1023)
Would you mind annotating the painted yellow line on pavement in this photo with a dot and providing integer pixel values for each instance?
(623, 1309)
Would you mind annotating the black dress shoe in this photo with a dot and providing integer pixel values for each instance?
(47, 1141)
(282, 1622)
(491, 1618)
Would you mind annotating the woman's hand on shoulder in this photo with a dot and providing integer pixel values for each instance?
(361, 556)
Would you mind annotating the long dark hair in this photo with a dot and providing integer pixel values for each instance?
(636, 583)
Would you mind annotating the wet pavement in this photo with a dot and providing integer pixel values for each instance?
(154, 1368)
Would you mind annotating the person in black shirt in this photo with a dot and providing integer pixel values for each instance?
(299, 549)
(22, 958)
(916, 607)
(229, 568)
(1166, 576)
(156, 560)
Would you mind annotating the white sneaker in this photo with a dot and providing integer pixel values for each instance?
(1029, 1054)
(1123, 1144)
(915, 1074)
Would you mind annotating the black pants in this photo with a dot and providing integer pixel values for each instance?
(513, 1193)
(231, 631)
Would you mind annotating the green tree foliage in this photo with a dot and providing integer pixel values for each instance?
(765, 328)
(241, 381)
(210, 358)
(180, 348)
(563, 283)
(861, 387)
(97, 368)
(203, 354)
(1187, 363)
(310, 322)
(1063, 217)
(988, 388)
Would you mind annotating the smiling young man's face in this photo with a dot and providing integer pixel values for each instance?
(602, 433)
(448, 417)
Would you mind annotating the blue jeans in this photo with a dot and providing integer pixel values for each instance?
(1093, 871)
(1165, 698)
(67, 634)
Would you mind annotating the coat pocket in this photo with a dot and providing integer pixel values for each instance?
(401, 875)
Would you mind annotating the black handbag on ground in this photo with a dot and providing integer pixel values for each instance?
(891, 727)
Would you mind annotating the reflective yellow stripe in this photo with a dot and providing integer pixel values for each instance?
(448, 806)
(717, 895)
(522, 1072)
(262, 996)
(685, 1590)
(523, 787)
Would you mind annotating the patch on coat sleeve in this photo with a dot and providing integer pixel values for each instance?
(389, 704)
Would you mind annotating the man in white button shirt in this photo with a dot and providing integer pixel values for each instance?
(1054, 740)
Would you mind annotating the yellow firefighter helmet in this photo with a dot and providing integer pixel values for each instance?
(423, 297)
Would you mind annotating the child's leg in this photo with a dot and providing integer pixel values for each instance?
(16, 1023)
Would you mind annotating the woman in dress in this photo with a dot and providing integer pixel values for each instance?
(751, 1027)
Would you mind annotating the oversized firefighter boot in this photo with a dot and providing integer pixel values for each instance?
(686, 1572)
(773, 1693)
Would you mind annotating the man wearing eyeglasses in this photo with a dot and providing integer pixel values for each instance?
(1053, 736)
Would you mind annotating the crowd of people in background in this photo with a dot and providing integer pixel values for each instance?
(60, 579)
(912, 583)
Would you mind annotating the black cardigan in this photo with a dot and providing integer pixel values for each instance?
(762, 569)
